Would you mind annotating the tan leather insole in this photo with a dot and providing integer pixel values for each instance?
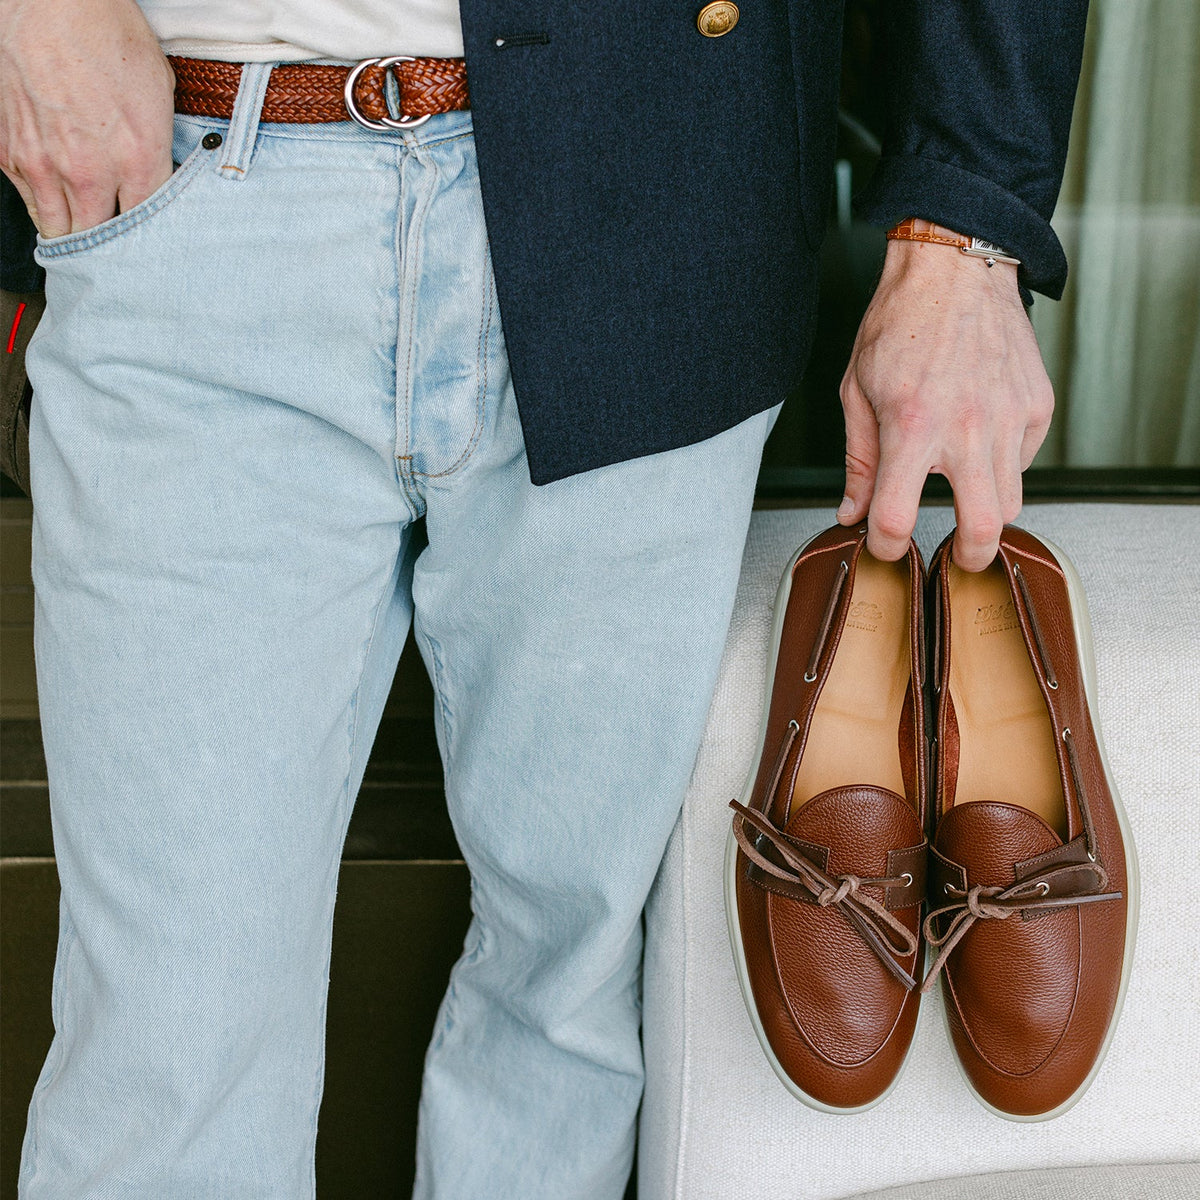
(854, 736)
(1006, 741)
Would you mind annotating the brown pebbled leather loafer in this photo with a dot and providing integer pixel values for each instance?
(825, 868)
(1033, 879)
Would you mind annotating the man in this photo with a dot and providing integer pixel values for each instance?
(256, 371)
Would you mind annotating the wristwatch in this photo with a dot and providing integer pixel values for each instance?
(914, 229)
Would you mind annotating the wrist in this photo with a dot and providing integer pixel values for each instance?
(918, 230)
(937, 272)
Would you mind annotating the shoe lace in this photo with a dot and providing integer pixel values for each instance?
(1047, 890)
(884, 933)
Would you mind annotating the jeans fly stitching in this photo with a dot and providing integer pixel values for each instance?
(410, 267)
(481, 372)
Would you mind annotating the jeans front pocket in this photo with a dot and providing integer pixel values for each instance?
(189, 139)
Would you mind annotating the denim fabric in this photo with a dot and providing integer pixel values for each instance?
(655, 198)
(248, 388)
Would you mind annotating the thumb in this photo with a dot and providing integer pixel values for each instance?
(862, 452)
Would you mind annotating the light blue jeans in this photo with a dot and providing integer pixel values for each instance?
(247, 389)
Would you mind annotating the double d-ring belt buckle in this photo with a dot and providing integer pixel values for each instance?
(401, 122)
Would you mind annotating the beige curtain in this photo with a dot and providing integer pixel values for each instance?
(1123, 345)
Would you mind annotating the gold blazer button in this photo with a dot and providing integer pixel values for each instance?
(716, 20)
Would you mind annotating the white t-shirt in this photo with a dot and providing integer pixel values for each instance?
(295, 30)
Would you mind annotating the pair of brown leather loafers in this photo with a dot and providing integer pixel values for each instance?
(957, 799)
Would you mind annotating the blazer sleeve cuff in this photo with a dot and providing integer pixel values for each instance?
(915, 186)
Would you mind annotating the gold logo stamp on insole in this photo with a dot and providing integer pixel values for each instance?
(864, 615)
(995, 618)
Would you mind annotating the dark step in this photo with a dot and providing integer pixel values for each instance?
(400, 813)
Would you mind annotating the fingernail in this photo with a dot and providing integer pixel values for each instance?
(845, 508)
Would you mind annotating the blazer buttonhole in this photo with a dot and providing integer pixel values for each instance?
(508, 41)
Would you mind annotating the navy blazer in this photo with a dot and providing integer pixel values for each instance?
(655, 199)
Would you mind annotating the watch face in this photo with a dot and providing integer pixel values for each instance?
(990, 251)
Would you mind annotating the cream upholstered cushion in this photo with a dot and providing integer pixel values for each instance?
(1153, 1181)
(717, 1124)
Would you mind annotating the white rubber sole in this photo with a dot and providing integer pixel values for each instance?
(1085, 647)
(1081, 622)
(731, 849)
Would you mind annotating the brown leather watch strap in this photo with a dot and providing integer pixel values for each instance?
(914, 229)
(308, 92)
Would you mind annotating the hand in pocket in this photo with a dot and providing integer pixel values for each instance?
(86, 110)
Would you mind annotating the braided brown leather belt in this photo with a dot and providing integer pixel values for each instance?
(308, 92)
